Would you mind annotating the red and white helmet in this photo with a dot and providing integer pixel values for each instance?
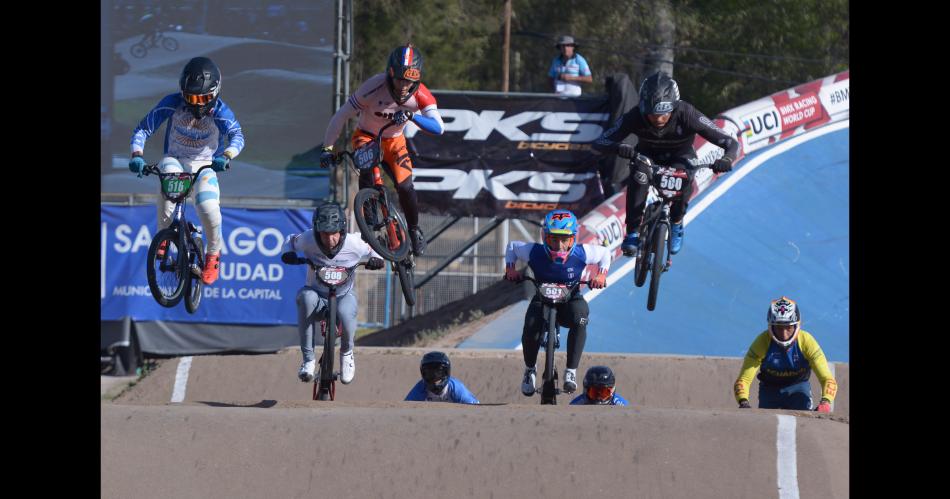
(784, 312)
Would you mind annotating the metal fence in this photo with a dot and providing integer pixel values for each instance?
(479, 267)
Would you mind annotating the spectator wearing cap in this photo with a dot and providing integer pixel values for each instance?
(569, 69)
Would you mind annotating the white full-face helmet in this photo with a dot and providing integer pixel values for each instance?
(784, 312)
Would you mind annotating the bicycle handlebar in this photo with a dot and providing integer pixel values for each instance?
(377, 138)
(153, 168)
(307, 261)
(536, 283)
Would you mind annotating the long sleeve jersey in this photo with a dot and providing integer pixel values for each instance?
(547, 271)
(376, 107)
(675, 138)
(188, 138)
(354, 249)
(783, 367)
(455, 391)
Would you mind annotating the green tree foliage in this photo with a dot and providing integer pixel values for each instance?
(727, 52)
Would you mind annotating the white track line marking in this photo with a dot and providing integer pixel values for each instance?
(720, 189)
(786, 458)
(181, 379)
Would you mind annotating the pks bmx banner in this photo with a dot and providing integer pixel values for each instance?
(515, 157)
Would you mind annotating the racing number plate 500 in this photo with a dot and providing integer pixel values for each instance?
(671, 181)
(332, 275)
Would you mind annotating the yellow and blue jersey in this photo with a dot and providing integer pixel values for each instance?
(778, 366)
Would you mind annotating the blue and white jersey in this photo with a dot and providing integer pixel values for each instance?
(187, 138)
(547, 271)
(575, 66)
(583, 400)
(454, 391)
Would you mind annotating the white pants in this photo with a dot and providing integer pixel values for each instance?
(206, 195)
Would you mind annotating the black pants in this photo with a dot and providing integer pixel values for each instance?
(638, 184)
(573, 315)
(406, 191)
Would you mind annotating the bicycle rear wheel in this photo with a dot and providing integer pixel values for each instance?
(193, 288)
(659, 259)
(642, 265)
(385, 232)
(138, 50)
(166, 275)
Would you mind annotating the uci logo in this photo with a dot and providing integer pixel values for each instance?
(411, 74)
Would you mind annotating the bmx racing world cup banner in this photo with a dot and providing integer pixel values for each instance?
(509, 156)
(253, 286)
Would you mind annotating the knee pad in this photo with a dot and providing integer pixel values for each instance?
(642, 174)
(209, 209)
(169, 164)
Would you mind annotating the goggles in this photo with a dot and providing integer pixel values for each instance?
(434, 374)
(197, 100)
(600, 393)
(553, 240)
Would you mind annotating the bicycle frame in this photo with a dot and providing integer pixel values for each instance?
(378, 183)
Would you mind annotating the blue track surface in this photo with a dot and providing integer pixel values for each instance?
(781, 230)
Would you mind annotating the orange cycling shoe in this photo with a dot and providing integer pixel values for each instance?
(210, 272)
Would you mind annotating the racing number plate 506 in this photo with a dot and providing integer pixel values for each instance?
(366, 156)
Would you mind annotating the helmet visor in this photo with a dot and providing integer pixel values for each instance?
(434, 374)
(198, 100)
(600, 393)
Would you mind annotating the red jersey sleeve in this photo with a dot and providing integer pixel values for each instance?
(424, 97)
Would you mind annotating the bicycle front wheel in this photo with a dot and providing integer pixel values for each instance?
(170, 44)
(166, 272)
(659, 259)
(385, 232)
(193, 288)
(407, 282)
(549, 388)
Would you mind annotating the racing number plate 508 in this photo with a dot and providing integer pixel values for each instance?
(332, 275)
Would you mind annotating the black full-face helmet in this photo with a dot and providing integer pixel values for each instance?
(659, 94)
(599, 384)
(404, 63)
(200, 85)
(435, 369)
(329, 217)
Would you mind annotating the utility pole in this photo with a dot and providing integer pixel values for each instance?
(661, 58)
(506, 47)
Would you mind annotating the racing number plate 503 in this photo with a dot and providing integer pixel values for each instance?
(556, 293)
(332, 275)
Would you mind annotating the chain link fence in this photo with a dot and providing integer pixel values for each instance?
(380, 296)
